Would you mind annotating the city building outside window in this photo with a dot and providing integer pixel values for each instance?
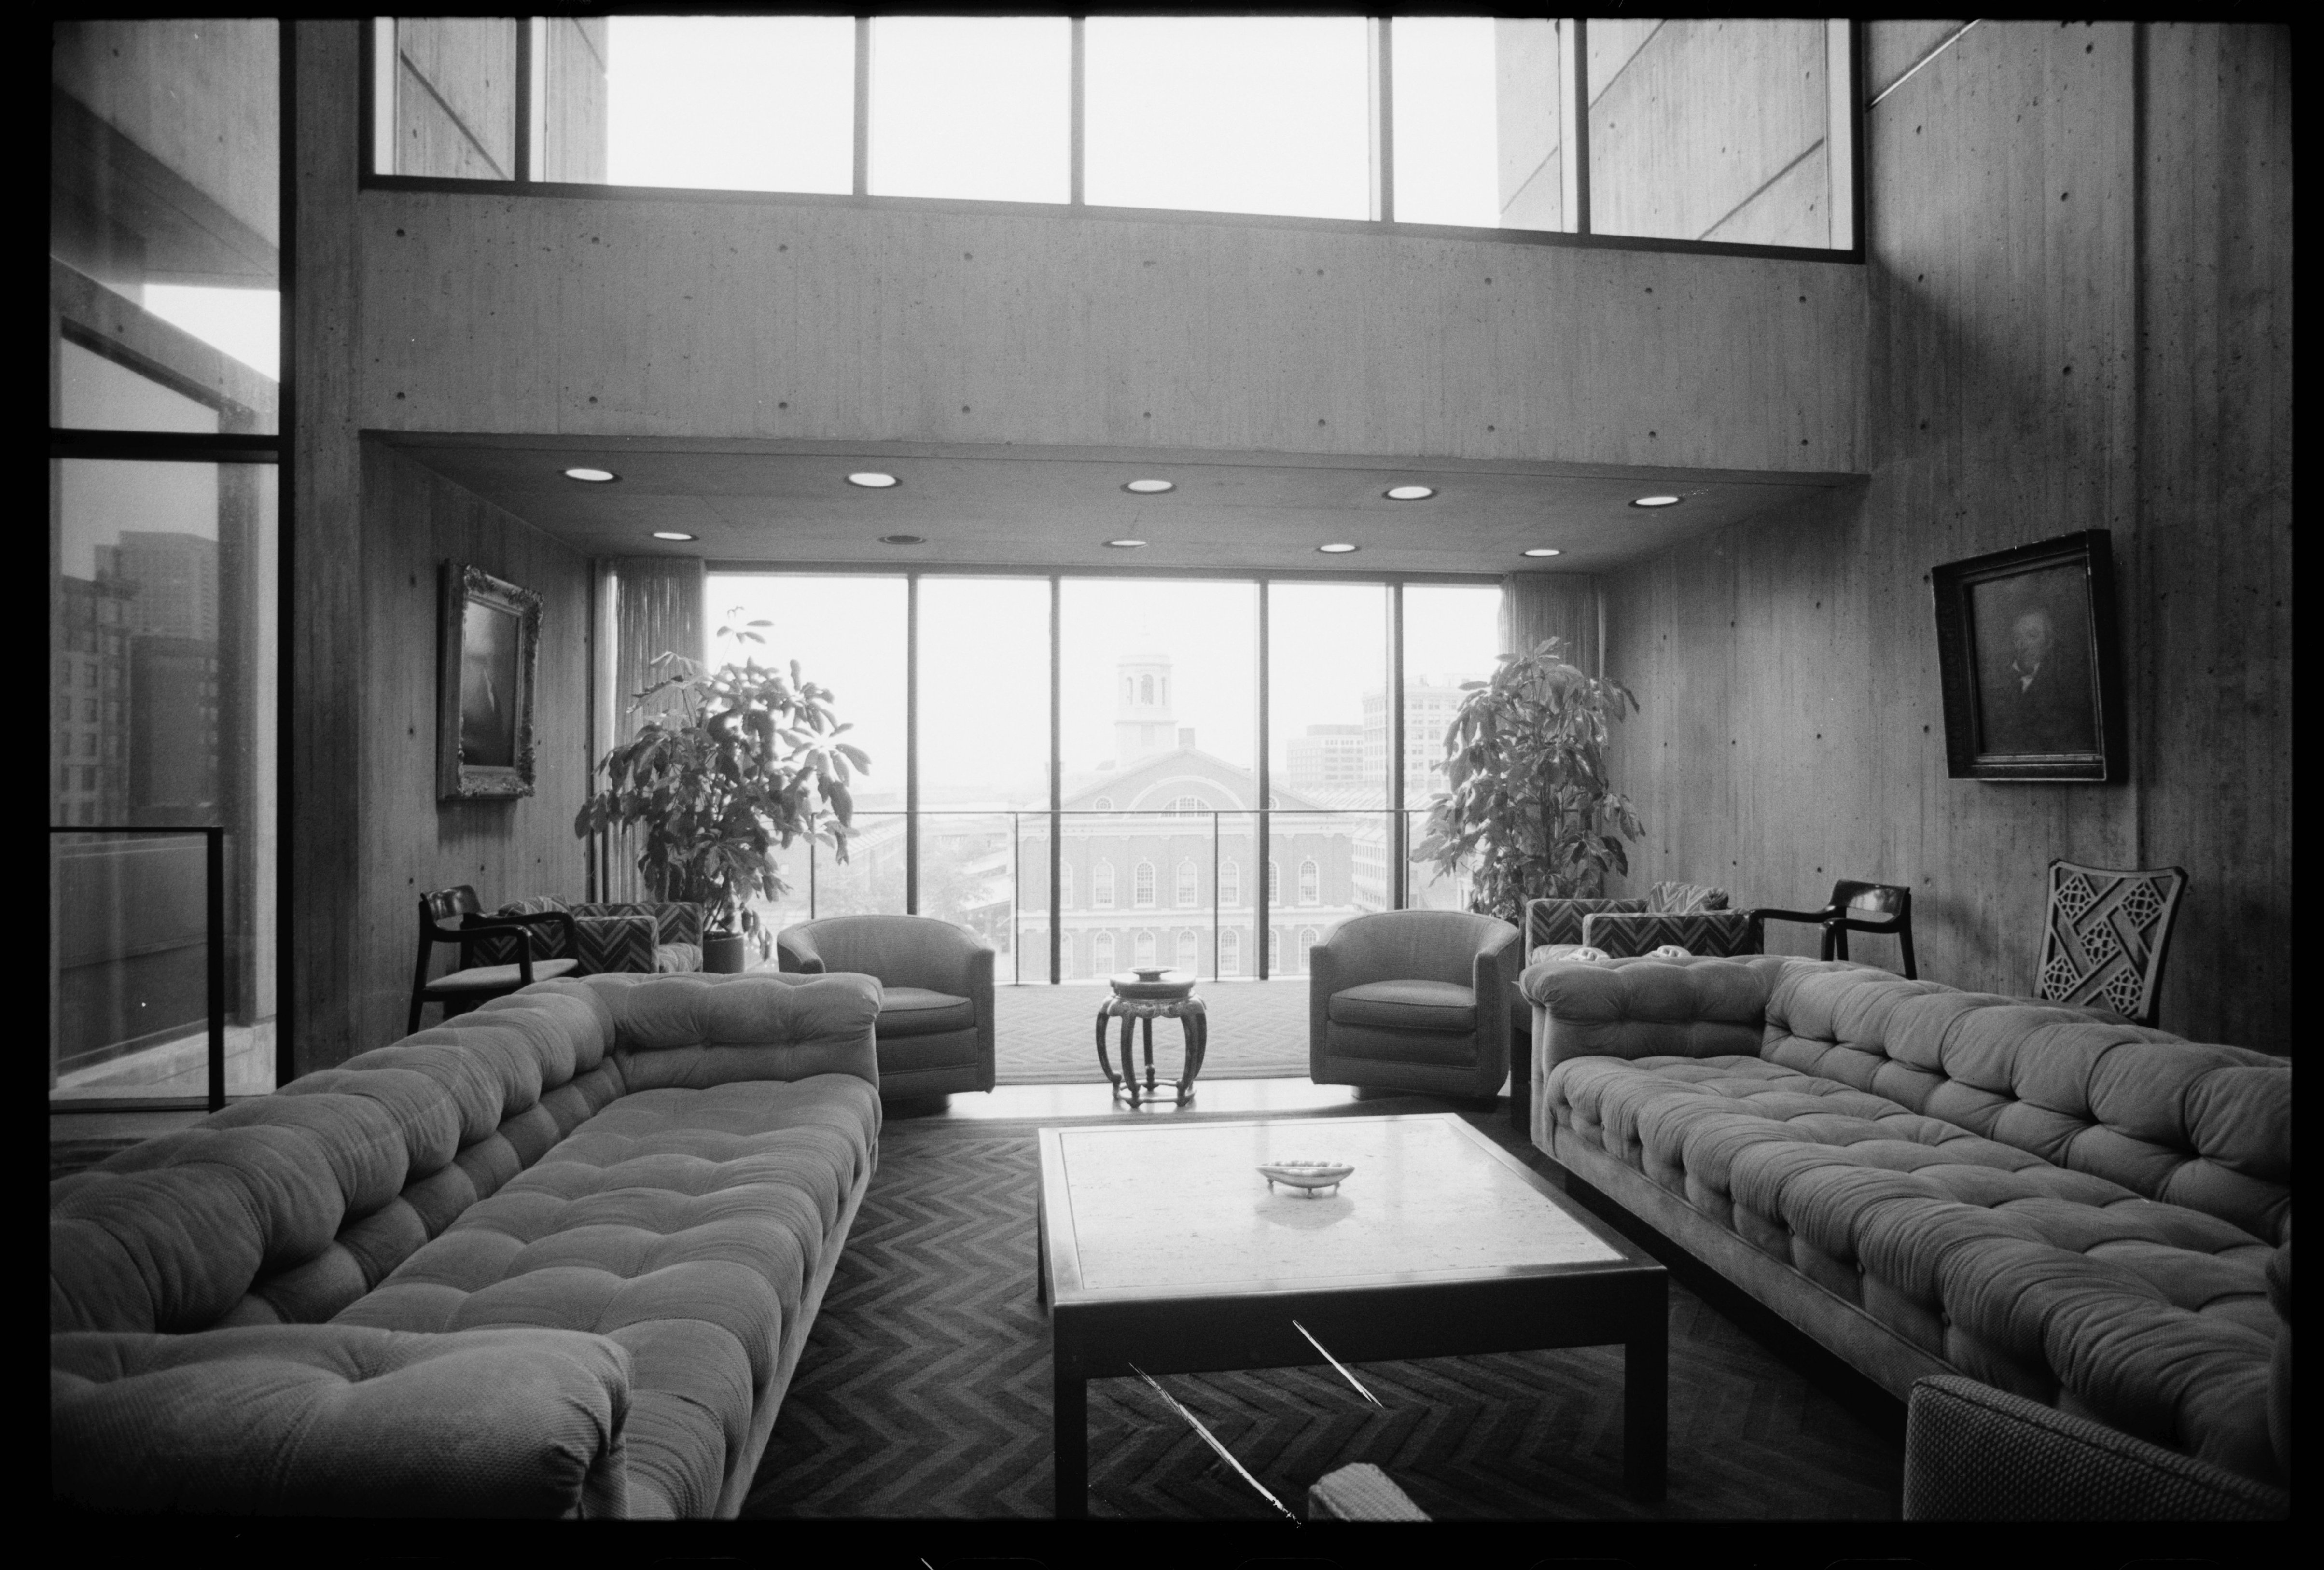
(1306, 942)
(1274, 882)
(1189, 887)
(1142, 886)
(1230, 953)
(1187, 954)
(1102, 886)
(1143, 948)
(1311, 884)
(1065, 885)
(1101, 953)
(1274, 951)
(1229, 883)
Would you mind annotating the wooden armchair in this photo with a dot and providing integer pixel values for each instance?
(1854, 907)
(455, 915)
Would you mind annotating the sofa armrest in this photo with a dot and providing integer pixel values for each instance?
(1974, 1453)
(1648, 1008)
(795, 952)
(339, 1419)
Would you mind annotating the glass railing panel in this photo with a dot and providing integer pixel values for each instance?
(1324, 867)
(129, 973)
(870, 881)
(795, 872)
(1426, 889)
(969, 875)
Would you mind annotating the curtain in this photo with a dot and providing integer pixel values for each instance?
(646, 606)
(1564, 605)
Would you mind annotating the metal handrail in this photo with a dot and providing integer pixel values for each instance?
(214, 936)
(1253, 898)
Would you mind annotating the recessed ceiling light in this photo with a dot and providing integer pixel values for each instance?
(1542, 550)
(1655, 502)
(670, 535)
(595, 476)
(903, 539)
(872, 480)
(1340, 549)
(1151, 487)
(1126, 544)
(1410, 492)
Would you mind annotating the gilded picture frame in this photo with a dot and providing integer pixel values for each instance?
(489, 650)
(2028, 656)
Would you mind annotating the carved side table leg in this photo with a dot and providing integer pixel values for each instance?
(1130, 1055)
(1196, 1023)
(1149, 1054)
(1105, 1012)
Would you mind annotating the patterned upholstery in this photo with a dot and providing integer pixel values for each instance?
(654, 937)
(2103, 944)
(1709, 931)
(2081, 1211)
(1561, 921)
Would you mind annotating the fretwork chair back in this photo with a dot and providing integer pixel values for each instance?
(1858, 907)
(2103, 942)
(455, 916)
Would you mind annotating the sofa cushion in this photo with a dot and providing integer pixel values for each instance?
(1405, 1005)
(682, 1224)
(917, 1011)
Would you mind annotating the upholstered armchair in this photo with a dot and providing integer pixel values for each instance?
(652, 935)
(1413, 999)
(935, 1031)
(1693, 916)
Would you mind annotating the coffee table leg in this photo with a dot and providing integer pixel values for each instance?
(1646, 1398)
(1069, 1398)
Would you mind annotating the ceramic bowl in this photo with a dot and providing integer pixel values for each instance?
(1309, 1177)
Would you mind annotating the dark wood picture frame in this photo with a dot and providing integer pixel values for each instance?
(2030, 661)
(489, 649)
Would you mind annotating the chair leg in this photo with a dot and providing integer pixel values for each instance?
(411, 1020)
(1904, 943)
(1835, 942)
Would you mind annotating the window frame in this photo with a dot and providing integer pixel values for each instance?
(1848, 50)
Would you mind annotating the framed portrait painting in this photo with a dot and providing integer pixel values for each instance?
(2026, 650)
(489, 632)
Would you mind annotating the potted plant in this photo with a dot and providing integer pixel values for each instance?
(1527, 810)
(741, 762)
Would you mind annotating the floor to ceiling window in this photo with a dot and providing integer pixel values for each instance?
(1178, 742)
(165, 311)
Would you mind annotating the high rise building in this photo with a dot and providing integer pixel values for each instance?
(1325, 757)
(176, 576)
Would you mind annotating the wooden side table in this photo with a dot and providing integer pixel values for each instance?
(1149, 995)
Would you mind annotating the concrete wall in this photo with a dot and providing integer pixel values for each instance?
(677, 316)
(2080, 298)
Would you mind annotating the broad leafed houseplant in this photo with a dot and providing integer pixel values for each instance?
(1527, 810)
(735, 764)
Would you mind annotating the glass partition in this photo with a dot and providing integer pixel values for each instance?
(164, 226)
(849, 635)
(1451, 637)
(162, 707)
(729, 103)
(973, 106)
(1717, 130)
(984, 761)
(1229, 114)
(1479, 122)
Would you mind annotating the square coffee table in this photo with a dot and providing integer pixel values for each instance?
(1166, 1247)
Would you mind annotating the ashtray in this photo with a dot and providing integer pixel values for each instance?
(1310, 1178)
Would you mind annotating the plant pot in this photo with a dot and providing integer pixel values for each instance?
(722, 952)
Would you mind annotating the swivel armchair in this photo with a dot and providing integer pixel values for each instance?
(1413, 999)
(934, 1030)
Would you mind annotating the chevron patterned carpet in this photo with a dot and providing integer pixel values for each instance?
(1045, 1035)
(924, 1393)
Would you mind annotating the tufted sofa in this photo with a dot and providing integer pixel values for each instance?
(1933, 1182)
(559, 1255)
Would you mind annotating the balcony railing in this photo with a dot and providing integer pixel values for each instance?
(1186, 890)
